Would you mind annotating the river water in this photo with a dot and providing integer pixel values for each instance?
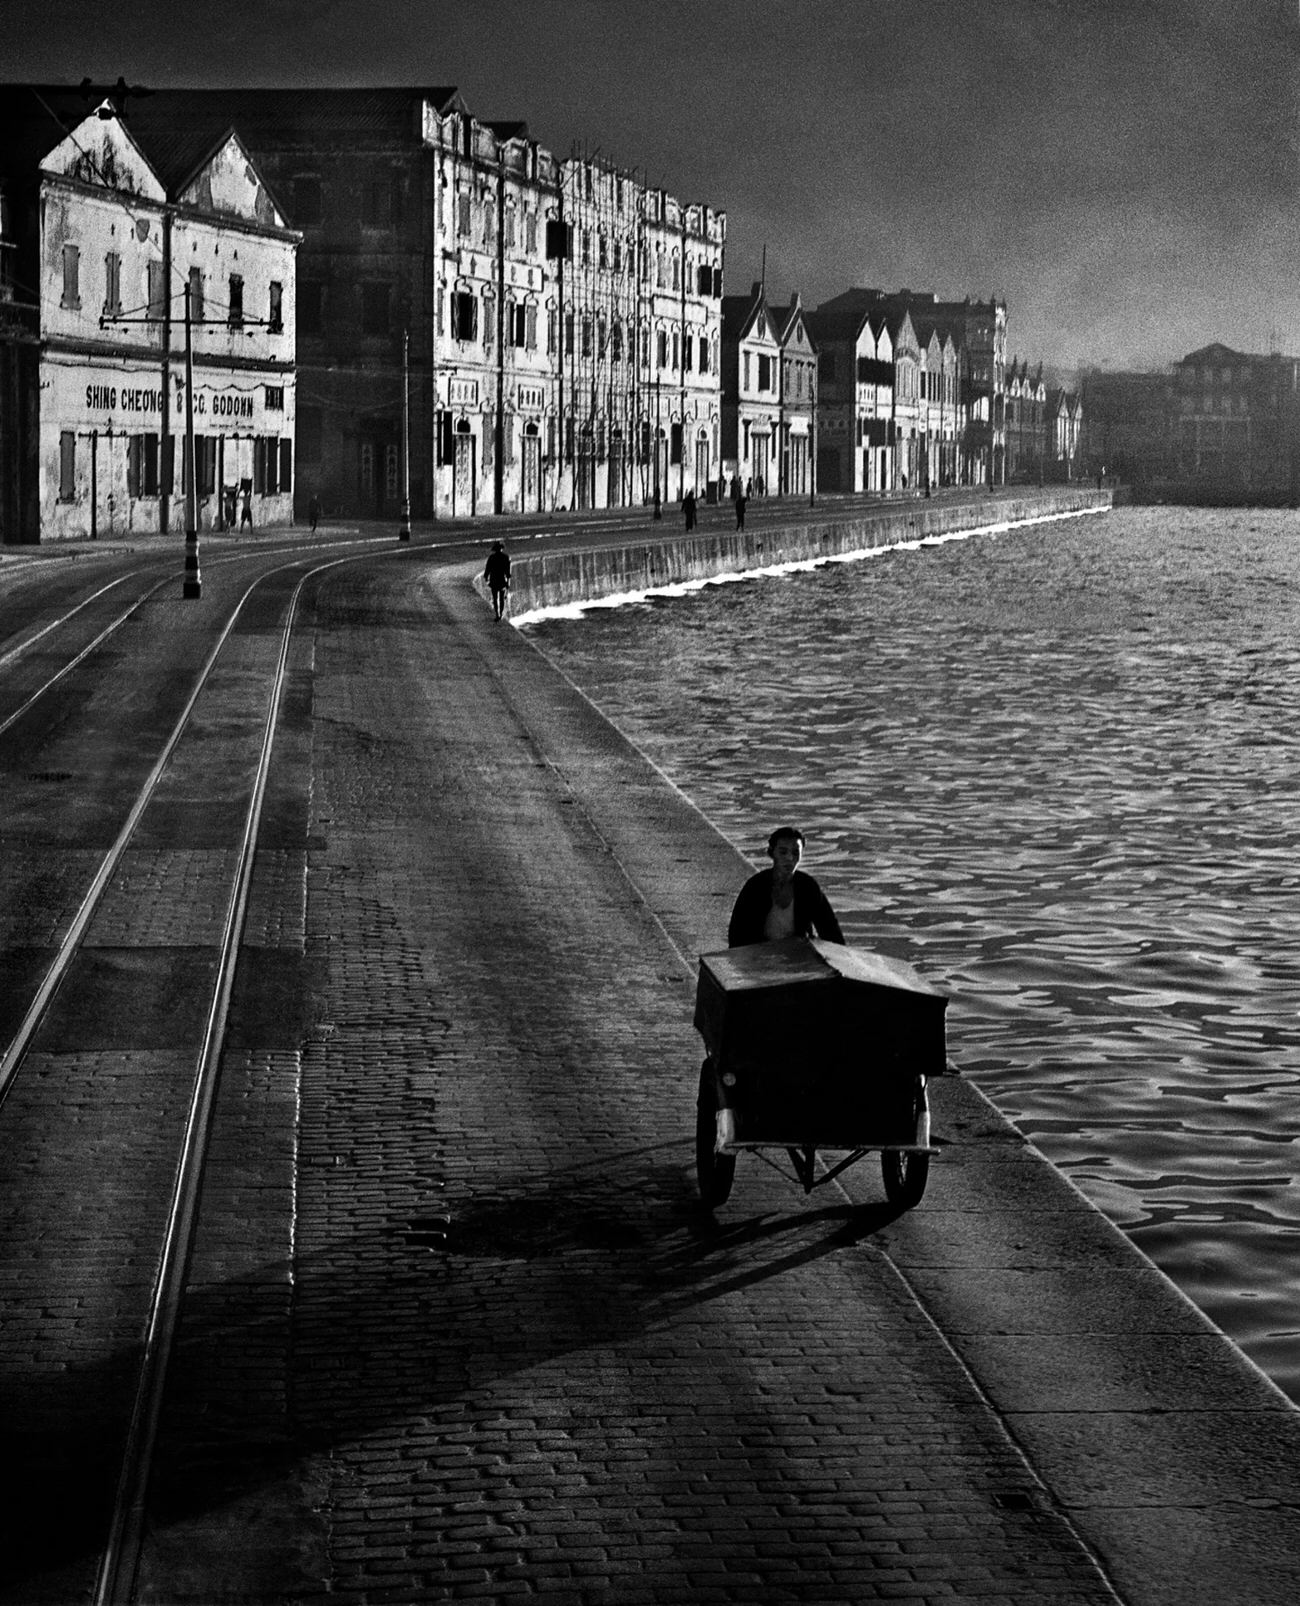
(1054, 767)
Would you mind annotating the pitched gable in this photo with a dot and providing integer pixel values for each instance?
(228, 182)
(102, 153)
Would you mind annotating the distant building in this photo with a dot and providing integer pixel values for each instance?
(1127, 434)
(521, 295)
(854, 401)
(751, 392)
(1233, 422)
(797, 422)
(145, 256)
(1064, 420)
(1026, 422)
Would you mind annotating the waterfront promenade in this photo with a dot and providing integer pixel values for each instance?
(459, 1329)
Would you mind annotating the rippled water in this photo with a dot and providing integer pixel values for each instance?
(1056, 768)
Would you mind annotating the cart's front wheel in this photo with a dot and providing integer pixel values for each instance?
(905, 1175)
(715, 1171)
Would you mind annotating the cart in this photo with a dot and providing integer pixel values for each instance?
(813, 1045)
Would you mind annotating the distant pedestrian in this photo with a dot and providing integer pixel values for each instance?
(748, 490)
(496, 571)
(688, 508)
(313, 512)
(246, 509)
(741, 500)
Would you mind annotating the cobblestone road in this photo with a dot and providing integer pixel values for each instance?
(521, 1361)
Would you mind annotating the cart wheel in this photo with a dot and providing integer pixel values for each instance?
(905, 1175)
(715, 1171)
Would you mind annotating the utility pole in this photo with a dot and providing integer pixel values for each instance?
(404, 534)
(193, 584)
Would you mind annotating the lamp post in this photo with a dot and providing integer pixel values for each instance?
(404, 534)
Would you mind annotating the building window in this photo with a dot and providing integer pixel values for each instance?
(236, 313)
(464, 315)
(156, 292)
(530, 233)
(142, 466)
(274, 398)
(618, 255)
(616, 343)
(374, 309)
(764, 372)
(662, 352)
(275, 309)
(677, 353)
(675, 443)
(308, 201)
(71, 277)
(603, 252)
(381, 201)
(746, 370)
(530, 326)
(67, 466)
(688, 350)
(568, 334)
(311, 307)
(586, 337)
(677, 272)
(112, 285)
(196, 295)
(516, 326)
(704, 354)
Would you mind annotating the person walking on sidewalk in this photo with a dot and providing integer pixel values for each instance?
(783, 901)
(313, 511)
(688, 508)
(741, 500)
(496, 571)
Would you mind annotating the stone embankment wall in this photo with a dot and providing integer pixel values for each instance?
(553, 579)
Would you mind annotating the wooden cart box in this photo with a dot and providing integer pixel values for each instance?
(813, 1043)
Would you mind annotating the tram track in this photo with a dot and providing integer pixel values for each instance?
(208, 704)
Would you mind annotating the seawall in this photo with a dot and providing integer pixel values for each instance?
(548, 579)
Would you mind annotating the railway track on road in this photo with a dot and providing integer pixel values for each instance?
(131, 1009)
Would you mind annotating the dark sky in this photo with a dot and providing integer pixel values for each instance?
(1124, 172)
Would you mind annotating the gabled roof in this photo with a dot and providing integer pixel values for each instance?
(829, 323)
(741, 313)
(788, 321)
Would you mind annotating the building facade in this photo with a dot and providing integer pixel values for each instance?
(164, 280)
(513, 299)
(752, 413)
(1233, 424)
(797, 420)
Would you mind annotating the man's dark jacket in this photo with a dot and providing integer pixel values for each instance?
(812, 913)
